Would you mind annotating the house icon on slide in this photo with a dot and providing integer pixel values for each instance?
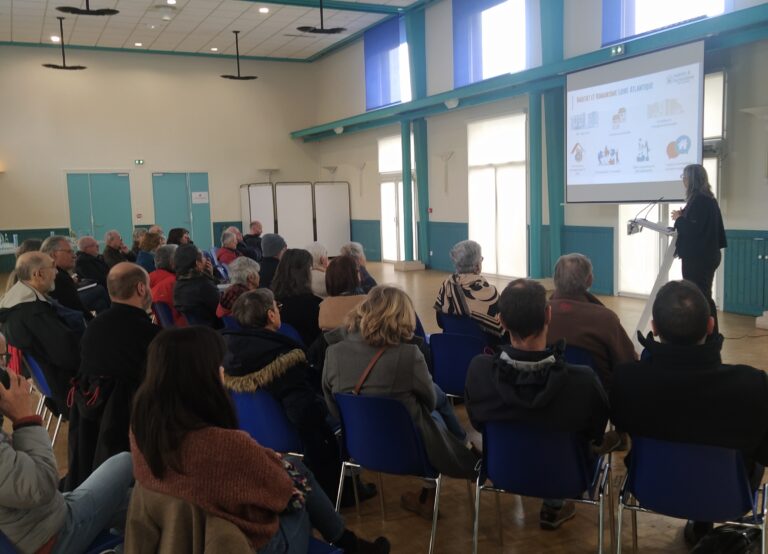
(578, 152)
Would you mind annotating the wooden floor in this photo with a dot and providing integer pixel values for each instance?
(410, 534)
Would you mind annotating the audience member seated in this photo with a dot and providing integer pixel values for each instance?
(272, 246)
(342, 281)
(149, 245)
(163, 281)
(32, 324)
(379, 331)
(530, 382)
(682, 392)
(90, 264)
(228, 252)
(65, 288)
(258, 357)
(272, 500)
(466, 293)
(138, 234)
(113, 357)
(319, 265)
(178, 236)
(243, 276)
(195, 295)
(292, 286)
(253, 240)
(582, 320)
(115, 250)
(355, 249)
(157, 229)
(34, 515)
(27, 245)
(241, 246)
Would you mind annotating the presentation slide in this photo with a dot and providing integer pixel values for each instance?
(633, 125)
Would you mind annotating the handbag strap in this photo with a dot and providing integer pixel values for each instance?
(367, 371)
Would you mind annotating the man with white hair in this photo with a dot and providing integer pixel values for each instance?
(115, 250)
(243, 276)
(319, 265)
(241, 246)
(355, 249)
(228, 252)
(90, 264)
(32, 324)
(583, 321)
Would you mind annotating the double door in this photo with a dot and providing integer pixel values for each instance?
(393, 219)
(99, 202)
(181, 200)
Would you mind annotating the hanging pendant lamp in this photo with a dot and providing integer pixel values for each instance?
(321, 30)
(87, 10)
(239, 77)
(63, 54)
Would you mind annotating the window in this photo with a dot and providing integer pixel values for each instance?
(627, 18)
(392, 190)
(489, 39)
(387, 66)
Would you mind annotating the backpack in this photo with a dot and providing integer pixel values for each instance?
(729, 539)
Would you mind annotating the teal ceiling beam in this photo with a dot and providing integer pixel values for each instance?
(346, 42)
(338, 5)
(738, 27)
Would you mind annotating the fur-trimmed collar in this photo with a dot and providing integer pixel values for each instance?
(264, 376)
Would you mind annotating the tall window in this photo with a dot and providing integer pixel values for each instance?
(489, 39)
(387, 66)
(498, 196)
(627, 18)
(392, 209)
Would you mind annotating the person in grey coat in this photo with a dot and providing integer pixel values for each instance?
(34, 515)
(386, 321)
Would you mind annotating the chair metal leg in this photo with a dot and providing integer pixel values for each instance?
(48, 421)
(476, 523)
(56, 431)
(618, 525)
(40, 404)
(611, 506)
(438, 483)
(341, 485)
(600, 522)
(381, 496)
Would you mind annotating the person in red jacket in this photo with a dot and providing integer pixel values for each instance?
(228, 253)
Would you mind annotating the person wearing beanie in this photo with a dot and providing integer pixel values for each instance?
(195, 294)
(272, 246)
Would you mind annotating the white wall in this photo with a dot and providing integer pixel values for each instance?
(339, 86)
(439, 44)
(175, 112)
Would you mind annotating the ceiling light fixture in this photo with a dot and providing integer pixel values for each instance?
(138, 44)
(263, 9)
(170, 2)
(214, 49)
(63, 54)
(55, 38)
(239, 77)
(87, 10)
(322, 30)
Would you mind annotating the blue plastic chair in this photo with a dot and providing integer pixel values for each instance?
(231, 323)
(579, 356)
(419, 330)
(451, 356)
(164, 314)
(104, 541)
(45, 392)
(689, 481)
(262, 417)
(380, 435)
(519, 458)
(290, 331)
(461, 325)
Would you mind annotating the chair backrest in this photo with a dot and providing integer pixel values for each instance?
(164, 314)
(290, 331)
(530, 461)
(380, 435)
(460, 325)
(262, 417)
(38, 375)
(451, 355)
(6, 546)
(231, 323)
(579, 356)
(689, 481)
(419, 330)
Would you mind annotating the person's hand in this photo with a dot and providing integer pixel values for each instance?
(123, 248)
(16, 402)
(208, 267)
(676, 214)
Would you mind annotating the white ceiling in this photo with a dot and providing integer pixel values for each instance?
(195, 26)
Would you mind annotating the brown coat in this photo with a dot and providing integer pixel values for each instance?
(163, 524)
(586, 323)
(334, 309)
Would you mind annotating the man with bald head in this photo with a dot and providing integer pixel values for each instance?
(90, 263)
(253, 239)
(32, 324)
(113, 358)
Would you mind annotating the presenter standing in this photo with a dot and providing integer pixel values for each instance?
(700, 233)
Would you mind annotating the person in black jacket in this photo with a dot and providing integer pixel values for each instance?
(530, 382)
(292, 285)
(195, 295)
(273, 246)
(113, 358)
(90, 264)
(253, 240)
(682, 392)
(700, 233)
(115, 250)
(258, 357)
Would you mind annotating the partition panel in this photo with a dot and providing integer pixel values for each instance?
(295, 213)
(332, 215)
(259, 205)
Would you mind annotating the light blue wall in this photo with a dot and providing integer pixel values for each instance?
(368, 233)
(442, 236)
(597, 244)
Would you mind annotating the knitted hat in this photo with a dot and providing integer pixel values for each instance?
(271, 245)
(185, 258)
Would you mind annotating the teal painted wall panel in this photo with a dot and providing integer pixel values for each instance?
(171, 199)
(744, 290)
(546, 264)
(597, 244)
(201, 213)
(111, 203)
(368, 233)
(79, 195)
(442, 236)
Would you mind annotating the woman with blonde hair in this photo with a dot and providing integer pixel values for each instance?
(381, 328)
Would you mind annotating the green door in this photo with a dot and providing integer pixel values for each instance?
(99, 202)
(181, 200)
(79, 193)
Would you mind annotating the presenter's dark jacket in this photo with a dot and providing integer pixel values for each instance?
(92, 267)
(700, 230)
(686, 394)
